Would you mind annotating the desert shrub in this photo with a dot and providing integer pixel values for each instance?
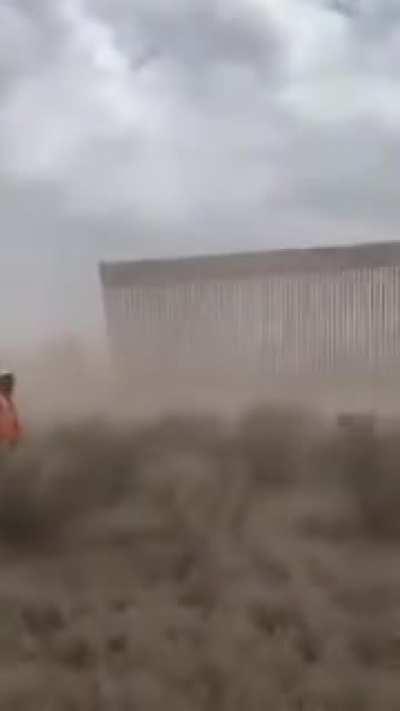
(276, 444)
(67, 473)
(204, 568)
(371, 472)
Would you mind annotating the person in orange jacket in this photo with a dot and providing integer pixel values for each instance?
(10, 425)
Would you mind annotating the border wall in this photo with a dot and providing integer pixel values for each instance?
(312, 311)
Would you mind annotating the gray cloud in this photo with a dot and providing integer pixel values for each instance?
(135, 127)
(196, 34)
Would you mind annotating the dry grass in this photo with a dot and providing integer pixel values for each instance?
(188, 564)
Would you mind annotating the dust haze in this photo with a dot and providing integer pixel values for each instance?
(72, 379)
(196, 546)
(211, 543)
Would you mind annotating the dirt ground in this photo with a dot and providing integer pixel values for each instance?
(235, 560)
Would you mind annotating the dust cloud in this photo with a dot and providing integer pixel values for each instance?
(193, 547)
(67, 380)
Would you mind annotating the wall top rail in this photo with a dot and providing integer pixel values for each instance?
(250, 264)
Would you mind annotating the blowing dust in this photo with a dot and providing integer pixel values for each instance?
(182, 560)
(69, 380)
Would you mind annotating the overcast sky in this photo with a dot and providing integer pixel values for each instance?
(142, 128)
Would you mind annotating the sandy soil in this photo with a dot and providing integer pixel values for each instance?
(244, 559)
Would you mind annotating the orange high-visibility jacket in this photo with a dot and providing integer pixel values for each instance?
(10, 426)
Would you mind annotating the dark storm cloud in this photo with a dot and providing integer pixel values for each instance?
(348, 8)
(196, 34)
(134, 127)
